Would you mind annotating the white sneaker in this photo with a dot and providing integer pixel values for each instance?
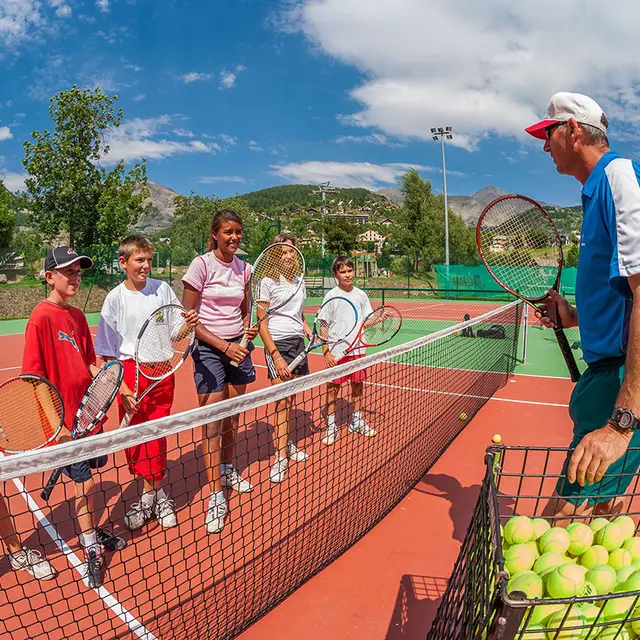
(138, 516)
(165, 513)
(216, 514)
(331, 436)
(92, 568)
(278, 470)
(232, 479)
(31, 561)
(295, 454)
(360, 426)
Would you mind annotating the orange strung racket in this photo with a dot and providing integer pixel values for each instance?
(378, 328)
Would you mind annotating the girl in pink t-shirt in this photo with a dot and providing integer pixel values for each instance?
(217, 285)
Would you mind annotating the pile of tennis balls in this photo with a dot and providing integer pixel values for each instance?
(583, 560)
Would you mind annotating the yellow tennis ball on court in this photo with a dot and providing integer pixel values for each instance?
(620, 558)
(556, 540)
(528, 582)
(565, 581)
(598, 523)
(497, 439)
(610, 537)
(581, 538)
(594, 556)
(463, 416)
(570, 626)
(519, 557)
(518, 530)
(603, 577)
(632, 545)
(548, 562)
(540, 527)
(627, 525)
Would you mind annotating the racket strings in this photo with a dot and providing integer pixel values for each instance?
(276, 276)
(98, 398)
(521, 246)
(164, 343)
(381, 325)
(336, 319)
(31, 414)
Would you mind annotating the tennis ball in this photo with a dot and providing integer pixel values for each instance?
(620, 558)
(627, 525)
(603, 577)
(587, 591)
(581, 538)
(632, 583)
(541, 613)
(528, 582)
(632, 545)
(548, 562)
(534, 546)
(594, 556)
(565, 581)
(623, 574)
(609, 633)
(575, 618)
(598, 523)
(635, 625)
(497, 439)
(590, 612)
(463, 416)
(556, 540)
(520, 557)
(610, 537)
(535, 632)
(540, 527)
(617, 608)
(519, 530)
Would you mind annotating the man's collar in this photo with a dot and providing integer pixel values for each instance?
(596, 173)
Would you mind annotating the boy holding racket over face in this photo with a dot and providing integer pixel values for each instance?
(343, 272)
(58, 347)
(124, 311)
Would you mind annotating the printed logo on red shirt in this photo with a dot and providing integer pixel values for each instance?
(63, 337)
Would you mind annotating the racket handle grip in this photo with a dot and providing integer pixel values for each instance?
(296, 361)
(125, 421)
(243, 343)
(569, 358)
(51, 483)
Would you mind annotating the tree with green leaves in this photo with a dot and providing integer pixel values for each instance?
(7, 217)
(68, 188)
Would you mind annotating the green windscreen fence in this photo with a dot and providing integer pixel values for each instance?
(475, 282)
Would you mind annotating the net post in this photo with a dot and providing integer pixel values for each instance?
(525, 333)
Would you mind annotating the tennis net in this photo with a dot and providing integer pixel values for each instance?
(183, 582)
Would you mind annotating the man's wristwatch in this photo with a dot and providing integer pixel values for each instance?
(624, 420)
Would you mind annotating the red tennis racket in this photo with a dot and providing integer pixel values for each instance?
(378, 328)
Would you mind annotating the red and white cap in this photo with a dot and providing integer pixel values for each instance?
(563, 106)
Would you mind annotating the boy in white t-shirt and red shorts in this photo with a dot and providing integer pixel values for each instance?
(124, 311)
(343, 272)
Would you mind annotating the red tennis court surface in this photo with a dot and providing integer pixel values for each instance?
(386, 586)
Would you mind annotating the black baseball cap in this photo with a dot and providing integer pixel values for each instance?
(64, 256)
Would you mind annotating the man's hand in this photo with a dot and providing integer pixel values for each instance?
(557, 305)
(191, 318)
(330, 359)
(129, 403)
(595, 454)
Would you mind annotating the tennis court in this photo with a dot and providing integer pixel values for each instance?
(180, 582)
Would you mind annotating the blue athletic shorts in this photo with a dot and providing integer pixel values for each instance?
(212, 369)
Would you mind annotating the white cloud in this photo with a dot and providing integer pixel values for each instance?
(228, 78)
(146, 138)
(215, 179)
(18, 18)
(230, 140)
(185, 133)
(345, 174)
(483, 67)
(374, 138)
(5, 134)
(13, 181)
(63, 11)
(253, 146)
(103, 5)
(194, 76)
(140, 96)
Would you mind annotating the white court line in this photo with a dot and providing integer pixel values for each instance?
(135, 626)
(10, 368)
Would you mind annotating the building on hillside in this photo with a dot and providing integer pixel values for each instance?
(386, 222)
(372, 236)
(498, 244)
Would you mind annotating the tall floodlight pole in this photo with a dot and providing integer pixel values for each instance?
(323, 189)
(440, 133)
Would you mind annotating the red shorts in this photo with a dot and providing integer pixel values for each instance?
(357, 376)
(149, 459)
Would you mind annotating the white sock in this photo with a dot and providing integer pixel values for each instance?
(148, 498)
(88, 540)
(331, 420)
(356, 416)
(217, 497)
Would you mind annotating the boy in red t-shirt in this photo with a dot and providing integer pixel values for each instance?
(58, 347)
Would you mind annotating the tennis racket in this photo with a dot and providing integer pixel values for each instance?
(522, 250)
(379, 327)
(335, 321)
(31, 414)
(93, 407)
(277, 275)
(164, 342)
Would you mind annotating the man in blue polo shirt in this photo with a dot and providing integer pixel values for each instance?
(605, 403)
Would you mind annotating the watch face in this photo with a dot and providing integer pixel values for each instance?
(625, 419)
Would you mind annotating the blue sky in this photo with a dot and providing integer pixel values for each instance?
(237, 96)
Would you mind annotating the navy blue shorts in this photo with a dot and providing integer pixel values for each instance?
(212, 369)
(81, 471)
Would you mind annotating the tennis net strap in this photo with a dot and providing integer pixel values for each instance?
(182, 582)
